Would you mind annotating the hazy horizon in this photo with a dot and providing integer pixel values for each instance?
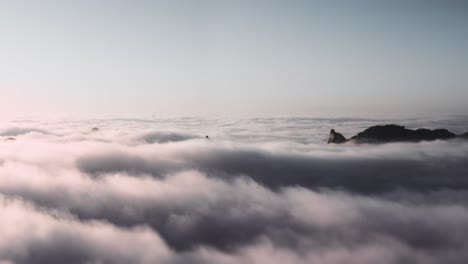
(298, 58)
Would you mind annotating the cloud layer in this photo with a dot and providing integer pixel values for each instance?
(153, 196)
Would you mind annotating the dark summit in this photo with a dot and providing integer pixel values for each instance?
(336, 137)
(394, 133)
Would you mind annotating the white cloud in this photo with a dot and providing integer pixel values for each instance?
(108, 197)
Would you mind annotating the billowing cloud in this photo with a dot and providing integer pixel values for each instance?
(165, 137)
(113, 197)
(16, 131)
(364, 169)
(34, 235)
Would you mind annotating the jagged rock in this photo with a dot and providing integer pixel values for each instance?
(10, 139)
(94, 129)
(336, 138)
(395, 133)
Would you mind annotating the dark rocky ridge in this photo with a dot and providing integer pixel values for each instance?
(395, 133)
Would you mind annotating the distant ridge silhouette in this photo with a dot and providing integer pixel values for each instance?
(394, 133)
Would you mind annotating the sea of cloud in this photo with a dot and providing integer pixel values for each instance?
(259, 190)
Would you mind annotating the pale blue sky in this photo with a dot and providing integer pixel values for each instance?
(233, 57)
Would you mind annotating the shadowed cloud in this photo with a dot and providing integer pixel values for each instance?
(220, 201)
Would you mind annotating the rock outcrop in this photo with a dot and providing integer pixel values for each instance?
(336, 138)
(394, 133)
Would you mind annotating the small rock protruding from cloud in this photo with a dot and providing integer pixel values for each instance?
(336, 138)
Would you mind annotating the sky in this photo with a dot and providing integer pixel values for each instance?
(304, 58)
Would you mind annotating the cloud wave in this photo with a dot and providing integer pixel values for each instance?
(113, 197)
